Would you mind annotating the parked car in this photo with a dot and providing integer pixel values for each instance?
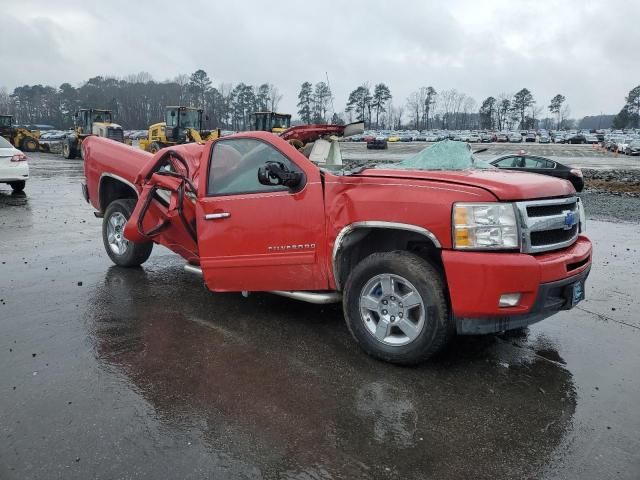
(591, 138)
(531, 137)
(515, 137)
(473, 138)
(544, 166)
(544, 138)
(502, 137)
(378, 143)
(14, 168)
(575, 137)
(623, 144)
(633, 148)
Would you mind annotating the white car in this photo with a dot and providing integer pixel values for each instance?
(515, 137)
(14, 168)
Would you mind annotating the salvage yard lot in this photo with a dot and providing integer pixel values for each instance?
(103, 367)
(583, 156)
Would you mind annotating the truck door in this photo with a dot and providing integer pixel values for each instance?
(258, 237)
(165, 211)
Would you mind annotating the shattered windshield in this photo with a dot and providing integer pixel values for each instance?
(443, 155)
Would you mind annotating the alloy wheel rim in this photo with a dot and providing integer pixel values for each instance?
(392, 309)
(115, 233)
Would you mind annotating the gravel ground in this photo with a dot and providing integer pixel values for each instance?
(611, 207)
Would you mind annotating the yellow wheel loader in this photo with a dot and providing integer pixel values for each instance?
(181, 125)
(90, 121)
(22, 138)
(270, 121)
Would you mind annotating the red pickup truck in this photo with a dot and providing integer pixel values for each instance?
(415, 255)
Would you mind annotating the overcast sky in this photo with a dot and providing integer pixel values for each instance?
(585, 50)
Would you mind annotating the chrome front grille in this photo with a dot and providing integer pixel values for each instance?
(548, 224)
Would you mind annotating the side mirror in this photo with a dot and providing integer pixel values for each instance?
(173, 113)
(276, 173)
(206, 117)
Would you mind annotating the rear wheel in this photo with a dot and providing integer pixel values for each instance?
(395, 307)
(69, 149)
(18, 186)
(30, 144)
(121, 251)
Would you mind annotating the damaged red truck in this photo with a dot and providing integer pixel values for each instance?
(415, 256)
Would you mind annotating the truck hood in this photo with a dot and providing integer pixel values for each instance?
(504, 184)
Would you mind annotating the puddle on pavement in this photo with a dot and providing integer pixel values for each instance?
(281, 385)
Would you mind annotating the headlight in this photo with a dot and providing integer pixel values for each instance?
(582, 217)
(481, 226)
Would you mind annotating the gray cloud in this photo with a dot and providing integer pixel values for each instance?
(585, 50)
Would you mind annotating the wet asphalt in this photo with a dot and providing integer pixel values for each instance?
(112, 373)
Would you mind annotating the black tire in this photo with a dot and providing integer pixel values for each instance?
(154, 147)
(69, 149)
(30, 144)
(134, 254)
(438, 327)
(18, 186)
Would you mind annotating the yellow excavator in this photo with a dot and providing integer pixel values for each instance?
(270, 121)
(90, 121)
(181, 125)
(22, 138)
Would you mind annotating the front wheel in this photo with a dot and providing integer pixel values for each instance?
(69, 149)
(121, 251)
(30, 145)
(18, 186)
(396, 308)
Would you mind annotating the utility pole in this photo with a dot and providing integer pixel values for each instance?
(331, 97)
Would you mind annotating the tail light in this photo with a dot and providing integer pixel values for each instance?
(577, 172)
(19, 157)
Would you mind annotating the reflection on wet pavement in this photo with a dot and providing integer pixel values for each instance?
(266, 392)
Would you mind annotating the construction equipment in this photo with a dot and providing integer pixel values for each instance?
(181, 125)
(270, 121)
(22, 138)
(90, 121)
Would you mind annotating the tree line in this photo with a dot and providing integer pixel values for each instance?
(450, 109)
(629, 115)
(138, 101)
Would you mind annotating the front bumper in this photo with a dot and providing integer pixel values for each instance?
(476, 281)
(552, 297)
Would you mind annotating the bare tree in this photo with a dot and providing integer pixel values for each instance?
(274, 97)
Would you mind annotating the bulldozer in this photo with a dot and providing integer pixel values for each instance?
(181, 125)
(22, 138)
(270, 121)
(90, 121)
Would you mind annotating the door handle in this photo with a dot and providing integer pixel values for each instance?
(216, 216)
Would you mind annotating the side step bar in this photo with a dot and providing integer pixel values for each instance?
(318, 298)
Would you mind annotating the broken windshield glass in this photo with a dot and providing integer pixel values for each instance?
(444, 155)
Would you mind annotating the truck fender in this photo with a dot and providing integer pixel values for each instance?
(347, 231)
